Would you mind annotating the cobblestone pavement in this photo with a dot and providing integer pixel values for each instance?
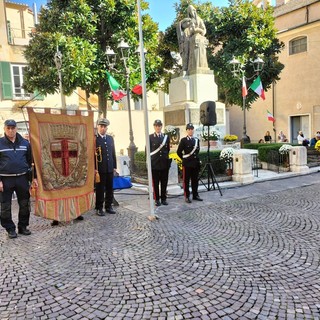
(251, 254)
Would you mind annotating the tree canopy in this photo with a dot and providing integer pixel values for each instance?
(241, 30)
(82, 30)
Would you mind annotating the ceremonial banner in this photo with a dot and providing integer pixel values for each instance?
(63, 152)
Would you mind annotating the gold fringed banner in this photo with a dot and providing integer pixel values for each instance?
(63, 152)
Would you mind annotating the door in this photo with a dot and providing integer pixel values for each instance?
(299, 123)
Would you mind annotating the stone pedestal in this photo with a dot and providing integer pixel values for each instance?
(197, 87)
(186, 93)
(298, 160)
(173, 174)
(242, 167)
(123, 165)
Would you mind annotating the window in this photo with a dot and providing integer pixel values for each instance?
(17, 82)
(298, 45)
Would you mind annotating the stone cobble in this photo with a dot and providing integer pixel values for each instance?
(251, 254)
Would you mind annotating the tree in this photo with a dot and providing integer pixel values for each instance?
(82, 30)
(241, 30)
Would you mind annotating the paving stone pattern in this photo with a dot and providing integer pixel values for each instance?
(251, 254)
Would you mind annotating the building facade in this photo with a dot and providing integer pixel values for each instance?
(294, 100)
(17, 21)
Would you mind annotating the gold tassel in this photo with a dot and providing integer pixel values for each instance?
(33, 191)
(33, 188)
(97, 177)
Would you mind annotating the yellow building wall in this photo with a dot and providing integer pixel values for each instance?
(297, 92)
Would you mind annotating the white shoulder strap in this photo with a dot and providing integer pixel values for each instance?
(193, 150)
(160, 147)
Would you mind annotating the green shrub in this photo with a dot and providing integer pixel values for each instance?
(265, 148)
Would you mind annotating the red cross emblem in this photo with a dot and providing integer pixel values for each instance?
(64, 154)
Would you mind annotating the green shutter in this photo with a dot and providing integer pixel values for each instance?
(38, 96)
(5, 78)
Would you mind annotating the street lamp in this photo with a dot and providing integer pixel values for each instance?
(111, 57)
(58, 63)
(237, 70)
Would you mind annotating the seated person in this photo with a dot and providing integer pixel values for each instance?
(267, 137)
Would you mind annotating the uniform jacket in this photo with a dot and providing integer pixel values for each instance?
(107, 161)
(159, 161)
(15, 157)
(186, 145)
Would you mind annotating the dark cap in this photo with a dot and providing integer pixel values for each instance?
(10, 123)
(103, 122)
(189, 126)
(157, 122)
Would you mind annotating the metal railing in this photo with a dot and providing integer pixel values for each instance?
(278, 162)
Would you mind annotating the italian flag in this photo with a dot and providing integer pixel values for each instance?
(117, 94)
(244, 87)
(258, 88)
(270, 116)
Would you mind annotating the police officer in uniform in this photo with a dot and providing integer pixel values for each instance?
(107, 164)
(188, 151)
(159, 152)
(15, 166)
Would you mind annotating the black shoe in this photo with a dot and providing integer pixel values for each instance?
(12, 234)
(24, 231)
(54, 223)
(188, 200)
(110, 210)
(197, 198)
(100, 213)
(80, 218)
(157, 203)
(164, 202)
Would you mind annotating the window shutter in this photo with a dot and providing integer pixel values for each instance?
(38, 96)
(5, 78)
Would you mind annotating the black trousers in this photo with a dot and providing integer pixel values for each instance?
(160, 177)
(190, 174)
(104, 191)
(20, 185)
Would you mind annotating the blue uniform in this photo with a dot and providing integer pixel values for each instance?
(15, 165)
(107, 162)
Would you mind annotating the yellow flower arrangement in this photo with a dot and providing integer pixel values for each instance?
(317, 146)
(230, 137)
(177, 159)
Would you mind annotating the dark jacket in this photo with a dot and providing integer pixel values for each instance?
(15, 157)
(159, 161)
(107, 161)
(186, 145)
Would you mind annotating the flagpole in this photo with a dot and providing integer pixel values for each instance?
(145, 109)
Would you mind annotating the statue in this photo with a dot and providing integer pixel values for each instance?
(192, 41)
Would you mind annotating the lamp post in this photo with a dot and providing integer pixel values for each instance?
(111, 56)
(239, 70)
(58, 63)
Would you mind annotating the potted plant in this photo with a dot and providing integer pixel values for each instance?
(229, 138)
(284, 152)
(212, 136)
(227, 156)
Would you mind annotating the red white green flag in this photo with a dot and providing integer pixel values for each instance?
(117, 94)
(270, 116)
(244, 87)
(258, 88)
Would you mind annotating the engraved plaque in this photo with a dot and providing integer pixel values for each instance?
(175, 118)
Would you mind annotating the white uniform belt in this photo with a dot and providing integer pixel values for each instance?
(12, 174)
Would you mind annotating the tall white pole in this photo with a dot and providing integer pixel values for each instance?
(145, 108)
